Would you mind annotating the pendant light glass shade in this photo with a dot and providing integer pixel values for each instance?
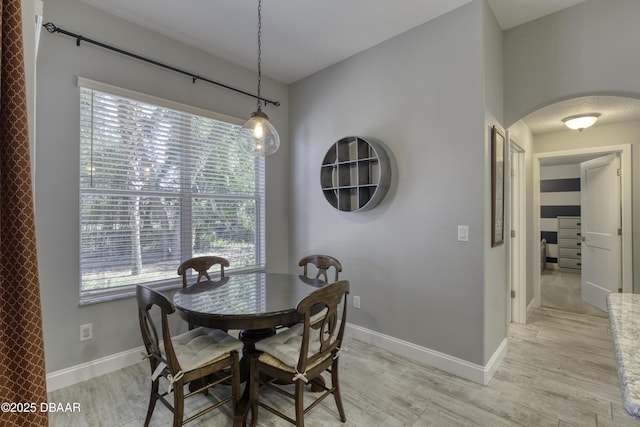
(258, 136)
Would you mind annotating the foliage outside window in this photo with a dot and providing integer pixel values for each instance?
(159, 183)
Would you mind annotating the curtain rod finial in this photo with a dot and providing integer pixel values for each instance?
(50, 27)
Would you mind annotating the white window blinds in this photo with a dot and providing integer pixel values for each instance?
(160, 184)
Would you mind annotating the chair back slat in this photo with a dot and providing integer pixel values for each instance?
(149, 333)
(322, 264)
(147, 299)
(202, 265)
(329, 328)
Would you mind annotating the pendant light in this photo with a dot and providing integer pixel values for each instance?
(257, 136)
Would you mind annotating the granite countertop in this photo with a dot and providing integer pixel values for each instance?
(624, 316)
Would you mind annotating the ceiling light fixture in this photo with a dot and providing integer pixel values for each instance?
(581, 121)
(257, 136)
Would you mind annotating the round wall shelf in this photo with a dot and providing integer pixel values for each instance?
(355, 174)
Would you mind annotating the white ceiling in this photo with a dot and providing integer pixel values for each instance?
(301, 37)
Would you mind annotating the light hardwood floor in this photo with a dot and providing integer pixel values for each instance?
(559, 371)
(563, 291)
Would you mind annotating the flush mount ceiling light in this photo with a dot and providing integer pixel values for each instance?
(581, 121)
(257, 135)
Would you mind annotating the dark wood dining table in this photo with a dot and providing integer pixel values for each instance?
(254, 303)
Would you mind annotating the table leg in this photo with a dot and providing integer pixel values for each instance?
(249, 337)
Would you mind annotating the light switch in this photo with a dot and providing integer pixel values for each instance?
(463, 233)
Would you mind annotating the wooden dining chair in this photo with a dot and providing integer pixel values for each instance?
(322, 264)
(300, 354)
(192, 356)
(201, 264)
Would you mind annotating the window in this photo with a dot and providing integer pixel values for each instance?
(159, 183)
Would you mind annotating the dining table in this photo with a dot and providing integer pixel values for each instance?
(256, 304)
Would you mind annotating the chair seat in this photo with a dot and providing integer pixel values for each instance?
(268, 359)
(202, 346)
(285, 346)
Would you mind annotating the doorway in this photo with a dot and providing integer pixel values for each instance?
(517, 241)
(561, 223)
(578, 156)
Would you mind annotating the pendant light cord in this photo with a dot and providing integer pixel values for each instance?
(259, 50)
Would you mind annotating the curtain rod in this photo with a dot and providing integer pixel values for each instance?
(51, 28)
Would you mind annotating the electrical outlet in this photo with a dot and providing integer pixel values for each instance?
(86, 332)
(356, 301)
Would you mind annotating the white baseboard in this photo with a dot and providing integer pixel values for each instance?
(95, 368)
(453, 365)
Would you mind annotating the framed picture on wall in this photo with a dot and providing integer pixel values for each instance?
(497, 187)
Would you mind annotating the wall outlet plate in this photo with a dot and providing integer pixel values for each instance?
(86, 332)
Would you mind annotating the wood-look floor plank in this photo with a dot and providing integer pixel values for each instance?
(559, 371)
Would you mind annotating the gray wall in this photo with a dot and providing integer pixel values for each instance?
(590, 48)
(496, 282)
(57, 154)
(431, 96)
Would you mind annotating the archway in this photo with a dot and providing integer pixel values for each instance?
(548, 139)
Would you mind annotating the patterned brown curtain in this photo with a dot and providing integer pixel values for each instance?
(22, 369)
